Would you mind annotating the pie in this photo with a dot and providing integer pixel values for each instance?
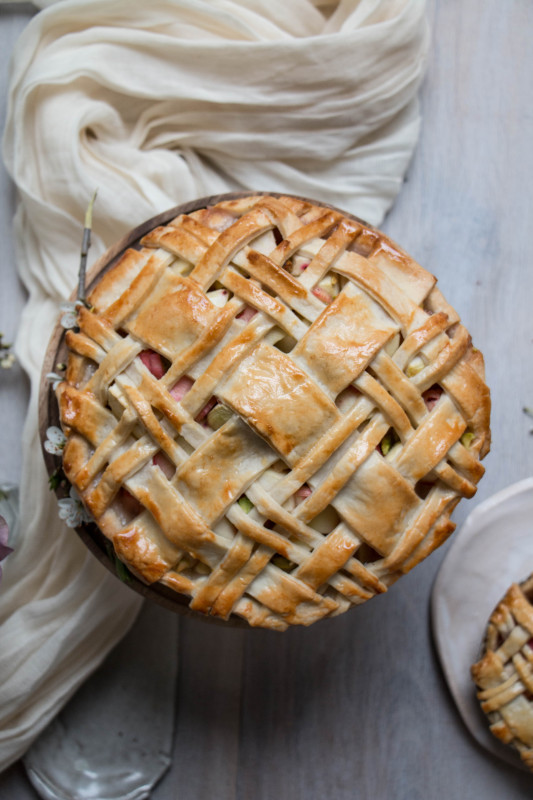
(504, 674)
(271, 409)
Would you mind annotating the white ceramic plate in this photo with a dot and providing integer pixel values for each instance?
(492, 550)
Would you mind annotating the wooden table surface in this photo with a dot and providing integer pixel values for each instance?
(357, 707)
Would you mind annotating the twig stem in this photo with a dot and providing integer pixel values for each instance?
(85, 245)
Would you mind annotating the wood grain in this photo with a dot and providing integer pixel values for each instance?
(357, 708)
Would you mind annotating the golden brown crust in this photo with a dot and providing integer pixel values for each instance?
(504, 674)
(318, 337)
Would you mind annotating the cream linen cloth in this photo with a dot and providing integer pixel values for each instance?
(155, 104)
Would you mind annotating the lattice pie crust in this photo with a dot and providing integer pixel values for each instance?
(505, 672)
(351, 410)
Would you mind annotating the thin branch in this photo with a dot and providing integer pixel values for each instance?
(85, 245)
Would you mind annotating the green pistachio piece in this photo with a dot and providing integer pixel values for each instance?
(245, 504)
(414, 367)
(390, 439)
(466, 438)
(282, 562)
(386, 444)
(218, 416)
(393, 451)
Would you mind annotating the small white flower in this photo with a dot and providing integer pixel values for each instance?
(70, 314)
(54, 379)
(7, 361)
(55, 441)
(72, 510)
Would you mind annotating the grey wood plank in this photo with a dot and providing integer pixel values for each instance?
(207, 737)
(14, 386)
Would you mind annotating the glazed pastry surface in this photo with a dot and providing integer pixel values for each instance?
(272, 409)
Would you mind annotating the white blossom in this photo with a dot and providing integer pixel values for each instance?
(72, 510)
(69, 318)
(55, 440)
(7, 361)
